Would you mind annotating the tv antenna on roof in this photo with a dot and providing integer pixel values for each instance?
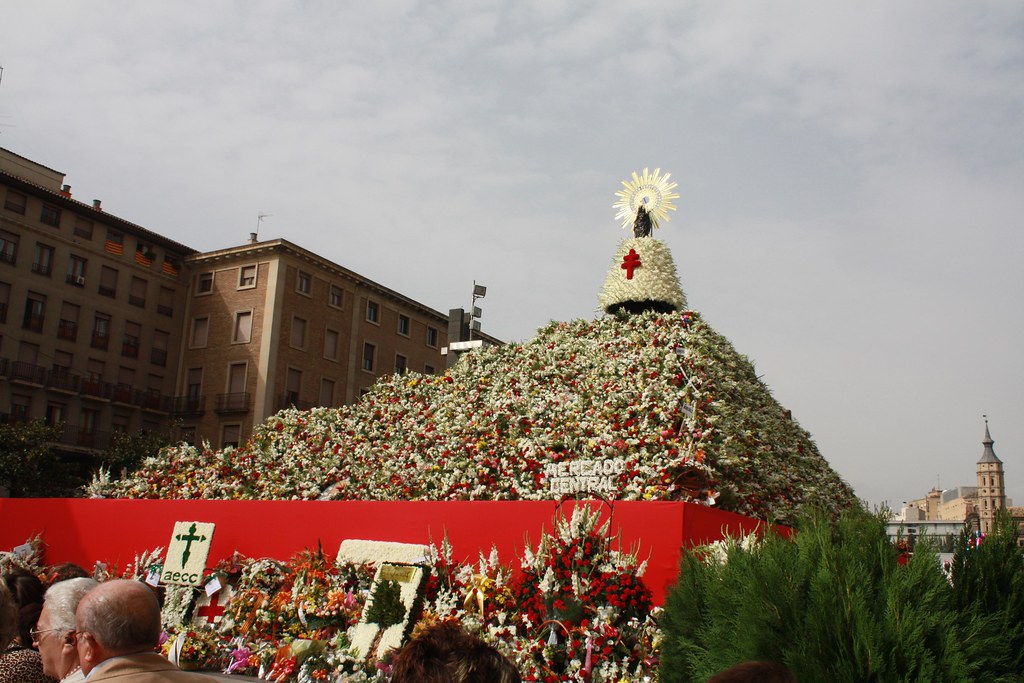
(254, 236)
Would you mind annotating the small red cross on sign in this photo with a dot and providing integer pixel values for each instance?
(213, 611)
(630, 262)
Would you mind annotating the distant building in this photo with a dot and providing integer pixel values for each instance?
(942, 514)
(106, 326)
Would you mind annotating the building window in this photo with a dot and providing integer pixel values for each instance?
(236, 378)
(16, 201)
(369, 351)
(50, 215)
(108, 282)
(131, 342)
(76, 270)
(200, 332)
(298, 334)
(231, 435)
(293, 387)
(62, 361)
(67, 326)
(326, 392)
(21, 408)
(55, 414)
(101, 331)
(303, 283)
(8, 247)
(42, 260)
(137, 293)
(401, 364)
(432, 337)
(204, 283)
(35, 311)
(243, 327)
(83, 228)
(114, 243)
(158, 354)
(336, 296)
(429, 370)
(246, 277)
(330, 344)
(165, 302)
(372, 312)
(5, 299)
(403, 325)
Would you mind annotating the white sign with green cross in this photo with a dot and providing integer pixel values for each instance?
(187, 553)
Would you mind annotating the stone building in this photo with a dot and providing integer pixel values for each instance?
(106, 326)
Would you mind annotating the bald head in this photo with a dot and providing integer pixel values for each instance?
(123, 617)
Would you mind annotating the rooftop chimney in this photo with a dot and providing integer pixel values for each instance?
(252, 238)
(96, 204)
(66, 190)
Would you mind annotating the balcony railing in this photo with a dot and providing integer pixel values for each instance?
(165, 310)
(158, 357)
(91, 388)
(124, 394)
(233, 403)
(67, 329)
(130, 347)
(189, 406)
(62, 380)
(107, 291)
(100, 340)
(3, 312)
(33, 323)
(154, 402)
(27, 373)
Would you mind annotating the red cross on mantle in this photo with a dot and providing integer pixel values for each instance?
(213, 611)
(630, 262)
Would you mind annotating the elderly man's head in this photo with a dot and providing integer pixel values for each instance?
(117, 618)
(54, 635)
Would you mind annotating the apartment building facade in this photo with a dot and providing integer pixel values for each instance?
(106, 326)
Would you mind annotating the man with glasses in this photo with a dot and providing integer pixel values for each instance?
(54, 635)
(118, 625)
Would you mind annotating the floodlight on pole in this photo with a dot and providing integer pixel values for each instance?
(479, 292)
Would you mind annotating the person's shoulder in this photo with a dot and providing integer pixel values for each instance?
(22, 665)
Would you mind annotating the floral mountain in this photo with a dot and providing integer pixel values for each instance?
(659, 405)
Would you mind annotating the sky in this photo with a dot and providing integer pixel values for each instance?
(851, 175)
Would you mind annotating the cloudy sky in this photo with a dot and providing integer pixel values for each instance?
(851, 174)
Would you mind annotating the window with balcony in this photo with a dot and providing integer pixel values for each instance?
(8, 247)
(83, 228)
(42, 259)
(403, 325)
(55, 413)
(243, 327)
(50, 215)
(16, 201)
(369, 353)
(67, 327)
(108, 282)
(101, 331)
(165, 301)
(76, 270)
(137, 292)
(131, 342)
(21, 408)
(35, 311)
(158, 354)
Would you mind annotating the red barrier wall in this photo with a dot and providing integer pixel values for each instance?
(113, 531)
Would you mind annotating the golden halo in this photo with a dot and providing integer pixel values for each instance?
(652, 191)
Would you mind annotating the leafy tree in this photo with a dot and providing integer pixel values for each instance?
(29, 466)
(128, 450)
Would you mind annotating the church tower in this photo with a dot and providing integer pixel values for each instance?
(991, 490)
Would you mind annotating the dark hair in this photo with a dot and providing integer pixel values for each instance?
(65, 571)
(754, 672)
(27, 591)
(445, 653)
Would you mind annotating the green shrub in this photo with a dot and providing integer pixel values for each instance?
(835, 604)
